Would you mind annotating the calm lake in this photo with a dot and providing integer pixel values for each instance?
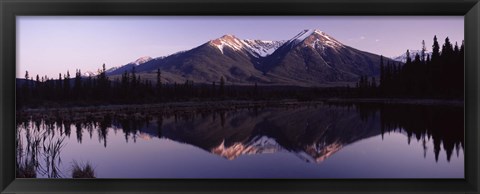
(318, 141)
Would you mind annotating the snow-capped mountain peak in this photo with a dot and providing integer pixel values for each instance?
(229, 41)
(301, 36)
(257, 48)
(142, 60)
(314, 38)
(317, 31)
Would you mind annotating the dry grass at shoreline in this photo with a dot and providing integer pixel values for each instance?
(145, 111)
(148, 111)
(399, 101)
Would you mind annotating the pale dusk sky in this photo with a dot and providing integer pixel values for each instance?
(48, 45)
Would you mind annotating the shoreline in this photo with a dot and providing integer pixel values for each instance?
(226, 104)
(149, 111)
(171, 108)
(398, 101)
(254, 103)
(145, 111)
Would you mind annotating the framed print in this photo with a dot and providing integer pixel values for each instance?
(256, 96)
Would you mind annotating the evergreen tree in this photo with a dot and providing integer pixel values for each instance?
(435, 49)
(66, 85)
(59, 90)
(78, 84)
(417, 59)
(462, 48)
(409, 59)
(447, 49)
(422, 54)
(456, 50)
(25, 92)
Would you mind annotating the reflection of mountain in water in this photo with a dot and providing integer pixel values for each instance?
(311, 133)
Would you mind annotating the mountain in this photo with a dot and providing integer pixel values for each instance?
(226, 56)
(314, 57)
(297, 131)
(263, 48)
(128, 67)
(403, 57)
(142, 60)
(88, 74)
(21, 82)
(311, 58)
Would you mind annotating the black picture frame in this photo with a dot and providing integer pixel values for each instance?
(11, 8)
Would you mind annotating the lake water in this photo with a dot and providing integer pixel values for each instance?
(322, 141)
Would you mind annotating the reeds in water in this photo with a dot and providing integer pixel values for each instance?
(82, 170)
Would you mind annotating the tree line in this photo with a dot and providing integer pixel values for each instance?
(131, 88)
(440, 75)
(101, 89)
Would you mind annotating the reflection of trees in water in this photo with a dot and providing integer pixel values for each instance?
(79, 132)
(317, 131)
(102, 129)
(443, 124)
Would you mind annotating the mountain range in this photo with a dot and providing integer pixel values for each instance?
(311, 58)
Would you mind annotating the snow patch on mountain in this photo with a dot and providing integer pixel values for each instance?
(257, 48)
(258, 145)
(89, 74)
(142, 60)
(403, 57)
(137, 62)
(319, 152)
(227, 40)
(301, 36)
(314, 153)
(314, 38)
(263, 48)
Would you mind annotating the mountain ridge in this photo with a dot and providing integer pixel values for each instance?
(311, 58)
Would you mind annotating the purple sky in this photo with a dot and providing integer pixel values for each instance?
(48, 45)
